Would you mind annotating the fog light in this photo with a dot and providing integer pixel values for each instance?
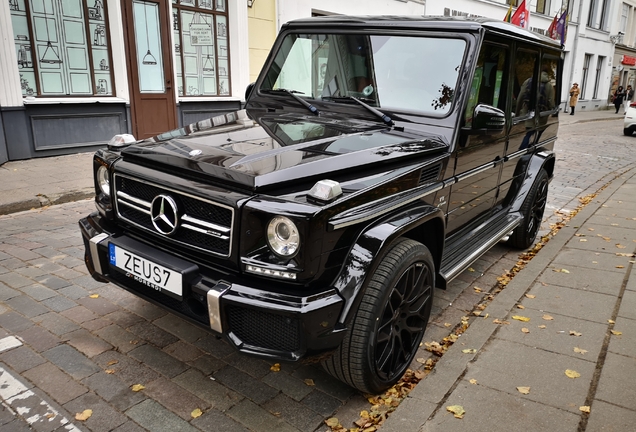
(269, 272)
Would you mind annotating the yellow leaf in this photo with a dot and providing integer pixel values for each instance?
(137, 387)
(477, 313)
(477, 289)
(611, 321)
(447, 324)
(520, 306)
(112, 362)
(572, 373)
(616, 332)
(473, 381)
(94, 296)
(332, 422)
(84, 415)
(309, 382)
(275, 367)
(542, 326)
(196, 413)
(471, 269)
(585, 409)
(579, 350)
(457, 410)
(524, 390)
(620, 246)
(364, 414)
(525, 330)
(110, 371)
(530, 296)
(520, 318)
(469, 351)
(547, 317)
(575, 333)
(620, 266)
(370, 429)
(486, 316)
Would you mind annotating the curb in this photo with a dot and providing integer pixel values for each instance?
(40, 201)
(429, 394)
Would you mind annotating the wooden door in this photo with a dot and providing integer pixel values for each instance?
(150, 71)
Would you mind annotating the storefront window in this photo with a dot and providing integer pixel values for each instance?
(62, 47)
(201, 47)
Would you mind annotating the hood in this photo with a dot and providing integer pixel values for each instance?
(278, 149)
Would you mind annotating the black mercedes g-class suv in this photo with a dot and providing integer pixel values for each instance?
(376, 158)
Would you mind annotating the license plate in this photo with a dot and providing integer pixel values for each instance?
(146, 272)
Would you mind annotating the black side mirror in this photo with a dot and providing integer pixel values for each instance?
(487, 120)
(248, 91)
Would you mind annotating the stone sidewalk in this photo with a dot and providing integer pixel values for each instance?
(572, 309)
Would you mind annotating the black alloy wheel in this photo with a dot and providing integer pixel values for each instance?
(385, 333)
(533, 208)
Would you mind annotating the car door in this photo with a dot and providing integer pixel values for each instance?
(478, 157)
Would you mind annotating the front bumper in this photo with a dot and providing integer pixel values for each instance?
(275, 325)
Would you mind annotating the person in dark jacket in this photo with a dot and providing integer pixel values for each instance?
(619, 94)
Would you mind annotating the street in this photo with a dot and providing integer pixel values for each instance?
(82, 344)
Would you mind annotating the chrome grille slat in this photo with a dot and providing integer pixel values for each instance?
(212, 235)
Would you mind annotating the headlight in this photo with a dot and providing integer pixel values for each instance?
(282, 236)
(103, 180)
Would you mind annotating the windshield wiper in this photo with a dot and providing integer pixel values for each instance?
(385, 118)
(293, 93)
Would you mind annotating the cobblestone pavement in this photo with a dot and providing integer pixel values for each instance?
(62, 351)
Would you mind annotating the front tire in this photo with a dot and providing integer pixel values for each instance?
(388, 326)
(627, 132)
(532, 210)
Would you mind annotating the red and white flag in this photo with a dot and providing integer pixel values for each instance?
(521, 17)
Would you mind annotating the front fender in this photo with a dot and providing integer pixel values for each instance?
(542, 160)
(369, 248)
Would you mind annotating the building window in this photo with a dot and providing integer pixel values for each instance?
(512, 2)
(605, 12)
(598, 16)
(201, 47)
(597, 80)
(543, 6)
(624, 17)
(586, 67)
(62, 47)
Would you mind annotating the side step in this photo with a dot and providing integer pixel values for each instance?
(461, 252)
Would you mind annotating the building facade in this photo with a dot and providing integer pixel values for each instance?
(73, 73)
(624, 58)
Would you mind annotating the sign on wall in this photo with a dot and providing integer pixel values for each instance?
(201, 34)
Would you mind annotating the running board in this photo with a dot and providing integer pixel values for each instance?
(460, 254)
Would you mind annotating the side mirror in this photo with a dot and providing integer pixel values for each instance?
(487, 120)
(248, 91)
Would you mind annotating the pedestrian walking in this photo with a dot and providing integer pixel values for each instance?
(574, 97)
(629, 96)
(619, 95)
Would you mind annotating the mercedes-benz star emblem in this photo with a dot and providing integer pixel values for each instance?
(165, 214)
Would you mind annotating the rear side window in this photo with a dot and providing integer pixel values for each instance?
(524, 86)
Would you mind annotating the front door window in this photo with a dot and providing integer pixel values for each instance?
(148, 44)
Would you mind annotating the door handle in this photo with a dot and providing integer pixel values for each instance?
(168, 85)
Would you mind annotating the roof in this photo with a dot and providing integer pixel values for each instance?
(424, 22)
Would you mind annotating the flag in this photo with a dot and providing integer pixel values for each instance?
(562, 28)
(508, 14)
(552, 30)
(521, 16)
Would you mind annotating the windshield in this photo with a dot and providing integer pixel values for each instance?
(402, 73)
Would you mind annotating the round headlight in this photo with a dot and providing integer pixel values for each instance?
(102, 180)
(283, 237)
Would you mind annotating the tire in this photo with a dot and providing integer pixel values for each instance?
(532, 210)
(627, 132)
(388, 326)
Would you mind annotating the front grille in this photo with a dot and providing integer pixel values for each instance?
(264, 329)
(204, 225)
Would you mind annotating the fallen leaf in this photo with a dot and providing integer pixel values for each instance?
(137, 387)
(575, 333)
(520, 306)
(447, 324)
(457, 410)
(84, 415)
(520, 318)
(94, 296)
(309, 382)
(196, 413)
(547, 317)
(561, 270)
(579, 350)
(332, 422)
(542, 326)
(620, 246)
(530, 296)
(275, 367)
(523, 390)
(616, 332)
(582, 240)
(620, 266)
(498, 321)
(470, 269)
(110, 371)
(112, 362)
(585, 409)
(525, 330)
(469, 351)
(486, 316)
(477, 289)
(572, 373)
(477, 312)
(590, 229)
(611, 321)
(473, 381)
